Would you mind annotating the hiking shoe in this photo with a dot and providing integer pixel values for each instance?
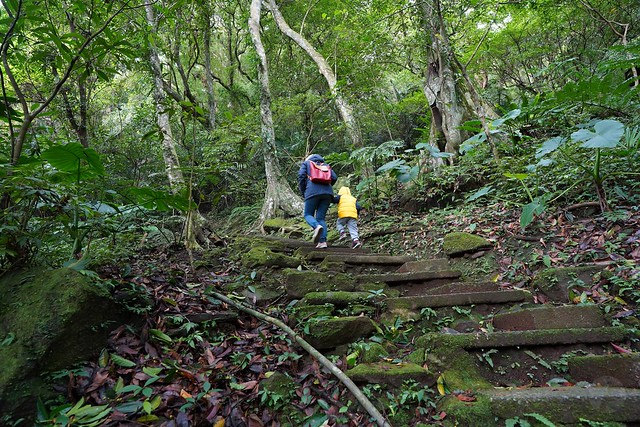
(316, 233)
(356, 244)
(343, 236)
(321, 245)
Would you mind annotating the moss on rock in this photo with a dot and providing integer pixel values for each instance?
(337, 298)
(300, 283)
(391, 374)
(263, 256)
(459, 243)
(55, 318)
(331, 333)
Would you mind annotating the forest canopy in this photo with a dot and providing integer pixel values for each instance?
(118, 112)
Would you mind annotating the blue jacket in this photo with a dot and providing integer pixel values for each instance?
(310, 189)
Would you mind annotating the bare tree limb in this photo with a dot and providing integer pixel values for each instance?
(357, 393)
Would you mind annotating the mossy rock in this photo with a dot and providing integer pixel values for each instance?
(280, 384)
(55, 318)
(304, 311)
(372, 352)
(556, 283)
(460, 243)
(337, 298)
(300, 283)
(477, 413)
(331, 333)
(263, 256)
(291, 227)
(390, 373)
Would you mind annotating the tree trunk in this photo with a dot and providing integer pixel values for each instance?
(192, 224)
(278, 194)
(345, 110)
(447, 106)
(211, 95)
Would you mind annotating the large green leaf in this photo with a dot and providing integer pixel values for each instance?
(549, 146)
(607, 135)
(69, 158)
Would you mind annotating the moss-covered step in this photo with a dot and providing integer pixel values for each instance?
(331, 333)
(568, 405)
(390, 374)
(462, 287)
(263, 256)
(411, 277)
(524, 338)
(616, 370)
(550, 317)
(338, 298)
(316, 253)
(451, 300)
(434, 264)
(299, 283)
(360, 259)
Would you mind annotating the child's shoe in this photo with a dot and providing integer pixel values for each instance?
(321, 245)
(356, 244)
(343, 236)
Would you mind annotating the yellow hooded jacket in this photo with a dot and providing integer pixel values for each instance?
(347, 204)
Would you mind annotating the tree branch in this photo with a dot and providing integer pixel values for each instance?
(357, 393)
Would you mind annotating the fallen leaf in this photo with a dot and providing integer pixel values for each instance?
(620, 349)
(184, 394)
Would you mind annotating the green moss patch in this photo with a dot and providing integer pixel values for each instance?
(459, 243)
(391, 374)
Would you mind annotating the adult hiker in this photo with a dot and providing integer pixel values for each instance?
(315, 179)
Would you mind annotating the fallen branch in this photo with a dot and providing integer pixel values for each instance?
(357, 393)
(582, 205)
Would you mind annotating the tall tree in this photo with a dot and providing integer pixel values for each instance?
(344, 108)
(194, 222)
(447, 103)
(68, 47)
(278, 194)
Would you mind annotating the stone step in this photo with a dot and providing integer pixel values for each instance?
(550, 317)
(356, 258)
(616, 370)
(390, 374)
(330, 250)
(568, 405)
(451, 300)
(435, 264)
(462, 287)
(400, 278)
(305, 246)
(338, 298)
(538, 337)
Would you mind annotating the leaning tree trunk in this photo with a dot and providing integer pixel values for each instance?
(345, 110)
(278, 194)
(447, 105)
(193, 222)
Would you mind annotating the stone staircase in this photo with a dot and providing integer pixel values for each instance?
(511, 358)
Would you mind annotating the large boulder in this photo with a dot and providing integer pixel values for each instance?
(49, 320)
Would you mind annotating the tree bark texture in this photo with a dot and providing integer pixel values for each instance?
(345, 110)
(278, 194)
(447, 105)
(169, 154)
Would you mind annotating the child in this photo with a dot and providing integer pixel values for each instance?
(348, 208)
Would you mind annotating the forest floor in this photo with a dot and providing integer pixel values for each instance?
(197, 362)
